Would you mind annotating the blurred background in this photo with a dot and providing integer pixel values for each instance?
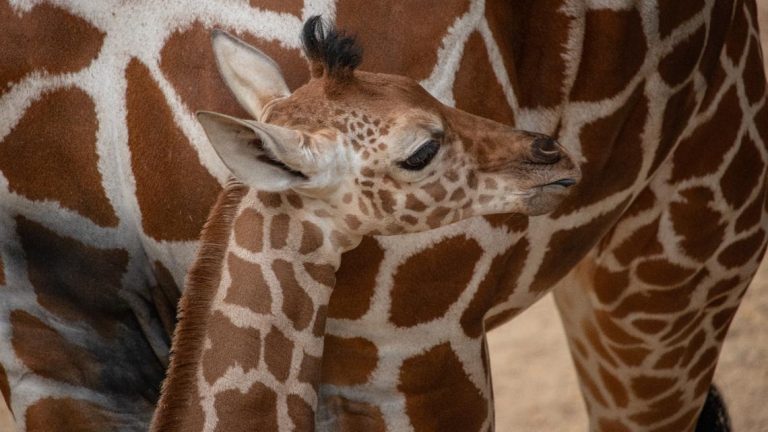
(535, 384)
(536, 387)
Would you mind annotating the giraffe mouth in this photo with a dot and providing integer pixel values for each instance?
(565, 183)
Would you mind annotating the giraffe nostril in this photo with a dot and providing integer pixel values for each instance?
(544, 150)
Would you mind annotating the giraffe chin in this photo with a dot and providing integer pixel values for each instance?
(546, 198)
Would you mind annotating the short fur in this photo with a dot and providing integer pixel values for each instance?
(202, 280)
(331, 53)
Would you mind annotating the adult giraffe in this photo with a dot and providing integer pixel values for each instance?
(642, 91)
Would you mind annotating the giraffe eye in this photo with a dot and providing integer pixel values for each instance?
(421, 157)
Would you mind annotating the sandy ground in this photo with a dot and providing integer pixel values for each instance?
(535, 385)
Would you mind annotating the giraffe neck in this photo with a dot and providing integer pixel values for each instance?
(250, 339)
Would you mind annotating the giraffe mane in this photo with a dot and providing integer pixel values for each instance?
(331, 53)
(203, 278)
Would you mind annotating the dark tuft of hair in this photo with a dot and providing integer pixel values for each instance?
(330, 52)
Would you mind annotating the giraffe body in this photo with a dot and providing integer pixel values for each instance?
(663, 104)
(345, 155)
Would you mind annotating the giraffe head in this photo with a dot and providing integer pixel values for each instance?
(382, 154)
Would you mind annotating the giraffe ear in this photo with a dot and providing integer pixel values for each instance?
(261, 155)
(251, 75)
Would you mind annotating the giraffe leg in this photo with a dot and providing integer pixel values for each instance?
(647, 310)
(646, 373)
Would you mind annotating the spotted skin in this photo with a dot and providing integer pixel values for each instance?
(267, 264)
(663, 210)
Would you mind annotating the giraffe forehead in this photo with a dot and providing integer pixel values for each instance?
(377, 96)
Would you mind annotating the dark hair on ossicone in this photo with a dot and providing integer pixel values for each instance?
(330, 52)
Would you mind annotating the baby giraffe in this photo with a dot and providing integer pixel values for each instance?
(348, 154)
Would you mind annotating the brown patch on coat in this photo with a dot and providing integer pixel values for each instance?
(170, 181)
(63, 361)
(416, 41)
(740, 252)
(710, 65)
(693, 346)
(59, 414)
(678, 65)
(725, 286)
(438, 394)
(672, 13)
(660, 410)
(270, 199)
(677, 113)
(413, 203)
(670, 359)
(754, 75)
(632, 357)
(278, 351)
(248, 287)
(607, 172)
(292, 7)
(249, 230)
(321, 273)
(615, 388)
(644, 242)
(297, 305)
(46, 38)
(706, 361)
(752, 213)
(661, 272)
(230, 346)
(309, 370)
(526, 47)
(648, 387)
(650, 326)
(278, 231)
(614, 48)
(683, 423)
(301, 413)
(594, 339)
(608, 285)
(697, 223)
(348, 361)
(258, 405)
(51, 155)
(558, 261)
(499, 283)
(476, 88)
(429, 282)
(613, 329)
(744, 173)
(356, 280)
(55, 267)
(312, 237)
(720, 135)
(662, 301)
(738, 34)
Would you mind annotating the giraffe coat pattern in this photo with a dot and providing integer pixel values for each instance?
(662, 102)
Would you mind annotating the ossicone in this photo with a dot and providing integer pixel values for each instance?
(331, 53)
